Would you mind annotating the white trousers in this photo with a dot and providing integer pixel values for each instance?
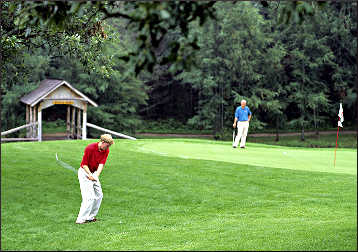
(242, 129)
(91, 196)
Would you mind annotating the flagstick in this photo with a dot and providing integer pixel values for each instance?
(336, 148)
(340, 120)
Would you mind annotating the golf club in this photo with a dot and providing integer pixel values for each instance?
(234, 134)
(65, 165)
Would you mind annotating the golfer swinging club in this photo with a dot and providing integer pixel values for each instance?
(94, 158)
(242, 119)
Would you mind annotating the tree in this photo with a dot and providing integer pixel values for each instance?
(150, 21)
(229, 65)
(23, 28)
(315, 68)
(244, 53)
(118, 95)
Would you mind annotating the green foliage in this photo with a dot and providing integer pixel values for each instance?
(293, 74)
(298, 11)
(168, 126)
(148, 21)
(22, 76)
(52, 25)
(118, 94)
(229, 66)
(57, 126)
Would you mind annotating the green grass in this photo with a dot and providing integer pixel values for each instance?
(57, 126)
(319, 159)
(173, 127)
(322, 141)
(311, 141)
(156, 200)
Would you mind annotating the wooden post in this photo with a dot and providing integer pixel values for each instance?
(68, 124)
(27, 120)
(78, 123)
(35, 128)
(73, 132)
(39, 128)
(31, 121)
(84, 122)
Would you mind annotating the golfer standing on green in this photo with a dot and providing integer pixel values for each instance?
(93, 161)
(242, 119)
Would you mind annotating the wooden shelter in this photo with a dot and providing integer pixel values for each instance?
(52, 92)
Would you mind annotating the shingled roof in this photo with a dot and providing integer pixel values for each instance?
(46, 87)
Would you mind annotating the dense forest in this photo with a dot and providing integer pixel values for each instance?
(292, 74)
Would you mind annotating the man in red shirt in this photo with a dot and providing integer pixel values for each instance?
(93, 161)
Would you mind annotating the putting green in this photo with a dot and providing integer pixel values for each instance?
(309, 159)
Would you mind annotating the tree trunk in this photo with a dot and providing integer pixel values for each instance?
(315, 121)
(303, 134)
(304, 106)
(222, 106)
(277, 124)
(191, 100)
(217, 116)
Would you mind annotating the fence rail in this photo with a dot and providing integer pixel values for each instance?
(18, 128)
(110, 131)
(17, 139)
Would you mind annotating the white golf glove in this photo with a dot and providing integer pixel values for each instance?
(95, 175)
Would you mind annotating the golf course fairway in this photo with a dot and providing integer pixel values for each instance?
(308, 159)
(180, 195)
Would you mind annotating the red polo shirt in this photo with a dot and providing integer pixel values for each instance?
(93, 157)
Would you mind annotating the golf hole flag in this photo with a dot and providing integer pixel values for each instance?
(340, 115)
(340, 124)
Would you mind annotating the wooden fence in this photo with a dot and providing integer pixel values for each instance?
(17, 129)
(110, 131)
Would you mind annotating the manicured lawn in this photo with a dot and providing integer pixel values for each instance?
(311, 141)
(181, 194)
(298, 158)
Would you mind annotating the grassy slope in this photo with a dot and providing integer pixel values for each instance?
(323, 141)
(311, 141)
(318, 159)
(155, 202)
(345, 140)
